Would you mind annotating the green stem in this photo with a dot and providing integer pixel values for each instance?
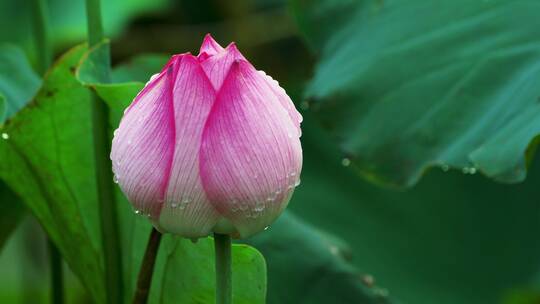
(40, 22)
(223, 269)
(57, 276)
(147, 268)
(93, 20)
(102, 143)
(41, 35)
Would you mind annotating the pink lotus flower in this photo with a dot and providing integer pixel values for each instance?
(209, 145)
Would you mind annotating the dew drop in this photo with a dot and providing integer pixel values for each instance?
(472, 170)
(259, 206)
(115, 179)
(243, 206)
(345, 162)
(465, 170)
(266, 228)
(185, 202)
(293, 174)
(297, 183)
(272, 197)
(5, 136)
(174, 204)
(445, 167)
(137, 211)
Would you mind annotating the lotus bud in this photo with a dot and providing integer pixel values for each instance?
(210, 145)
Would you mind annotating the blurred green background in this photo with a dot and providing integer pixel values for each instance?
(420, 183)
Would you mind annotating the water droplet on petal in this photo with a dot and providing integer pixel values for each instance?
(115, 179)
(137, 211)
(472, 170)
(174, 204)
(266, 228)
(297, 183)
(445, 167)
(345, 162)
(259, 206)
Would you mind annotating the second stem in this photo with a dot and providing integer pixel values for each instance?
(223, 269)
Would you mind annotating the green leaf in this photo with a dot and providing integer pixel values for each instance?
(307, 265)
(184, 271)
(18, 82)
(453, 238)
(47, 160)
(407, 85)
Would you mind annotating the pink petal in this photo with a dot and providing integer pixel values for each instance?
(187, 211)
(217, 67)
(142, 147)
(284, 100)
(209, 48)
(250, 155)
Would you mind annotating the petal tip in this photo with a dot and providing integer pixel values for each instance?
(209, 46)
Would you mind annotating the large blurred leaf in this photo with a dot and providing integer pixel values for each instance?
(409, 84)
(18, 82)
(47, 160)
(307, 265)
(453, 238)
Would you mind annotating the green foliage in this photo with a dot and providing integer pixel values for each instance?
(40, 163)
(308, 265)
(406, 85)
(68, 19)
(453, 238)
(18, 82)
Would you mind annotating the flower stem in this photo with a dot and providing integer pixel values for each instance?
(106, 199)
(57, 276)
(41, 35)
(42, 42)
(223, 269)
(147, 268)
